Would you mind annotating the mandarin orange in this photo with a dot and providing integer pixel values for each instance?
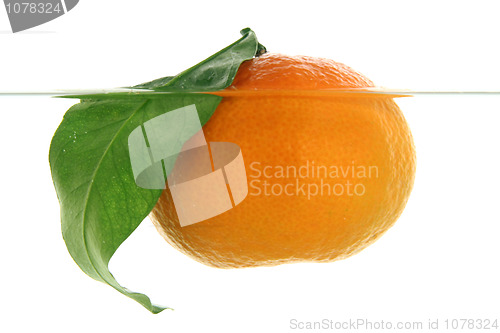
(328, 170)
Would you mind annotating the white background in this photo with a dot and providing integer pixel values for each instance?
(439, 261)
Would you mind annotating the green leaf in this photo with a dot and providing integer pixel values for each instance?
(214, 73)
(101, 205)
(154, 84)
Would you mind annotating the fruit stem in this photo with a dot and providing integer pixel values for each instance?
(261, 49)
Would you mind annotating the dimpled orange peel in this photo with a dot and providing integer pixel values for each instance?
(328, 171)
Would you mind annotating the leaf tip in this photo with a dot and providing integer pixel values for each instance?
(245, 31)
(156, 309)
(261, 49)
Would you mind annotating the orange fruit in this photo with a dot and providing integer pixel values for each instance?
(328, 171)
